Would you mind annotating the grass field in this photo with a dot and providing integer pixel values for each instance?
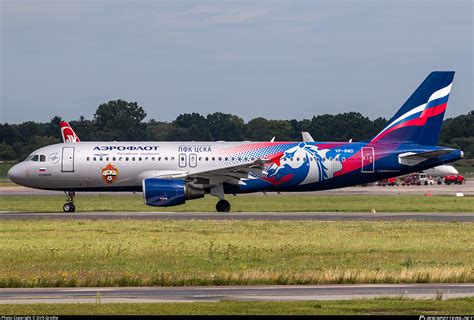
(252, 203)
(46, 253)
(351, 307)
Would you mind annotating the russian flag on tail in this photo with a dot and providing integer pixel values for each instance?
(419, 120)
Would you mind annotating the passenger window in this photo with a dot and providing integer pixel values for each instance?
(152, 158)
(107, 159)
(166, 158)
(139, 158)
(100, 159)
(94, 158)
(113, 158)
(42, 158)
(126, 158)
(133, 158)
(88, 159)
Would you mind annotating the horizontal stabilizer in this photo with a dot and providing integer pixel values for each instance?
(412, 158)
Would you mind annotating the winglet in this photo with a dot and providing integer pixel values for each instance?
(275, 158)
(307, 137)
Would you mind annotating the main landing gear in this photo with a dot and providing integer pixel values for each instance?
(222, 205)
(69, 205)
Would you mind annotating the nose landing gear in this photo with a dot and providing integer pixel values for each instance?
(69, 205)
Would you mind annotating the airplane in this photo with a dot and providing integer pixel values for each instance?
(441, 171)
(169, 173)
(68, 133)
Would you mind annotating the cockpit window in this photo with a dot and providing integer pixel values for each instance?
(29, 157)
(42, 158)
(35, 158)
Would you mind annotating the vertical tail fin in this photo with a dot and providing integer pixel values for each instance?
(68, 134)
(419, 119)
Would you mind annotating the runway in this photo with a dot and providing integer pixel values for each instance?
(237, 293)
(258, 216)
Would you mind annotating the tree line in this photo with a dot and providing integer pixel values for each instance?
(121, 120)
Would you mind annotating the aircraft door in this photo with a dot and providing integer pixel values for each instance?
(368, 160)
(193, 160)
(182, 160)
(67, 164)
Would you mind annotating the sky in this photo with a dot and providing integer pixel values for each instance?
(272, 59)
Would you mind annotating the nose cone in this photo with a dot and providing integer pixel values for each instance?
(14, 173)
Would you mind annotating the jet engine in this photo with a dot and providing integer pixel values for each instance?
(168, 192)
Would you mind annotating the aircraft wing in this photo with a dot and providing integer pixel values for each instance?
(231, 174)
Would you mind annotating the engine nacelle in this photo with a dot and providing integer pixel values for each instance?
(168, 192)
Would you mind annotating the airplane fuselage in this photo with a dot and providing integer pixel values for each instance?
(296, 166)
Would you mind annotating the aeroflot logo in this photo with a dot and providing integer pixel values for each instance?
(123, 148)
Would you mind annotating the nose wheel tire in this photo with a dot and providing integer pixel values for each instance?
(223, 206)
(68, 207)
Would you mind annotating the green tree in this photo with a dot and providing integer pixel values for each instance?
(261, 129)
(225, 127)
(120, 120)
(191, 127)
(6, 152)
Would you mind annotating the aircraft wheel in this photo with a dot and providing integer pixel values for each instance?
(68, 207)
(223, 206)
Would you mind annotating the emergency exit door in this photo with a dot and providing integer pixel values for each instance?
(368, 159)
(67, 164)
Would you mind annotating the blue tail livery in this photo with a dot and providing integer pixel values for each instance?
(169, 173)
(419, 119)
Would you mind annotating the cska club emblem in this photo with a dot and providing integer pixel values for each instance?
(110, 173)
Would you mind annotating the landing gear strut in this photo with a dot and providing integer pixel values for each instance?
(69, 205)
(223, 206)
